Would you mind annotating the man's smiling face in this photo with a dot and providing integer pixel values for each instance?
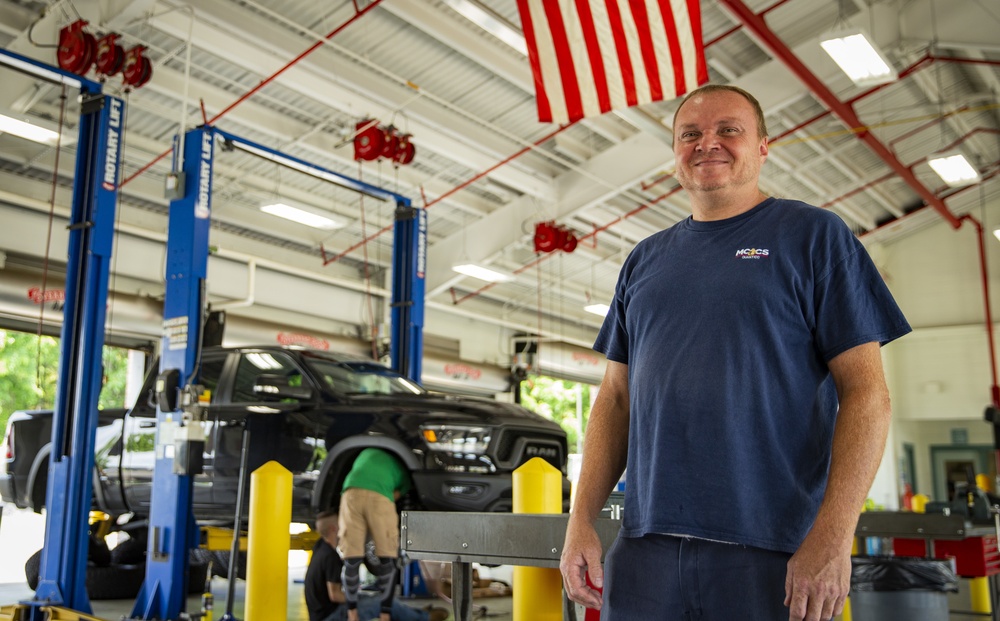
(716, 143)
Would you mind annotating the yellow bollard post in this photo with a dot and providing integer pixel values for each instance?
(268, 543)
(537, 590)
(979, 593)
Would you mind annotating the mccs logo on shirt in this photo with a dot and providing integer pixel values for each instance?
(752, 253)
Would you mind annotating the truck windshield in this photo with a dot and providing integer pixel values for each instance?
(363, 378)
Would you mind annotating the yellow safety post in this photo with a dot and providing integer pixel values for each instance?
(537, 590)
(268, 543)
(979, 593)
(846, 615)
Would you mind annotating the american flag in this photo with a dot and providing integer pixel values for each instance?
(591, 56)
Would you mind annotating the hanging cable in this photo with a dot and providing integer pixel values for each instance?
(48, 239)
(368, 279)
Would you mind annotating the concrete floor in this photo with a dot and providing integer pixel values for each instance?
(22, 532)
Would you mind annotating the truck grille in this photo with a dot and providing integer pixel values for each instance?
(516, 446)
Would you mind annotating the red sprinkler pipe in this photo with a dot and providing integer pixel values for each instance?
(994, 388)
(458, 187)
(253, 91)
(757, 25)
(593, 234)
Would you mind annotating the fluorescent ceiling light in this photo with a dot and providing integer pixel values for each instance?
(598, 309)
(29, 131)
(35, 68)
(482, 273)
(492, 24)
(308, 218)
(996, 233)
(954, 169)
(859, 58)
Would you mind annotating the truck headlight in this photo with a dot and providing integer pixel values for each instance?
(464, 439)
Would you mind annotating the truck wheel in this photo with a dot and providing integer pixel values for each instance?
(31, 568)
(110, 582)
(38, 489)
(118, 581)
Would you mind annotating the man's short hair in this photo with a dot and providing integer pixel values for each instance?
(717, 88)
(327, 513)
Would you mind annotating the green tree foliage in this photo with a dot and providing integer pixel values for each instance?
(558, 400)
(29, 372)
(115, 360)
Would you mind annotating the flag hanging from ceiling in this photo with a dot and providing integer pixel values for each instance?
(592, 56)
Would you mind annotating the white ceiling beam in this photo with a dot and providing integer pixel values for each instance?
(265, 49)
(620, 166)
(285, 130)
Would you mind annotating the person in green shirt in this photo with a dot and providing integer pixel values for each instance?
(368, 509)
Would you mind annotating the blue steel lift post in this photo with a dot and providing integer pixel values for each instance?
(409, 266)
(409, 255)
(179, 435)
(172, 529)
(62, 576)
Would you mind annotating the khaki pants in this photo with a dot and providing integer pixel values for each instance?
(364, 514)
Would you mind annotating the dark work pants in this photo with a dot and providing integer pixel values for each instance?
(663, 578)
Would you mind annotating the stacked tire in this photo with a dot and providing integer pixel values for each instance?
(118, 573)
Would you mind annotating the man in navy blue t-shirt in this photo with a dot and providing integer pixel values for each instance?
(744, 393)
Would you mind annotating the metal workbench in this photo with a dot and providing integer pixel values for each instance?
(930, 527)
(532, 540)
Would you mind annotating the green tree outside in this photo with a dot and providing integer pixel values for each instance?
(565, 402)
(29, 371)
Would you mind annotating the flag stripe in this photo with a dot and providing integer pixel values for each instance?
(594, 54)
(609, 53)
(700, 75)
(670, 25)
(668, 75)
(564, 57)
(621, 47)
(641, 19)
(527, 27)
(591, 56)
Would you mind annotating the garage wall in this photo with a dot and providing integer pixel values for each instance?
(939, 375)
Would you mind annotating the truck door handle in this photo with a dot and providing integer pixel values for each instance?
(147, 424)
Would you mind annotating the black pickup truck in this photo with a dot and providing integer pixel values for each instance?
(313, 412)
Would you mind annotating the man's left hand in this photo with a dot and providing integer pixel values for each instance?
(817, 582)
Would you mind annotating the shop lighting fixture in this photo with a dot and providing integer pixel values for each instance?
(493, 24)
(954, 169)
(996, 233)
(488, 274)
(28, 131)
(858, 57)
(598, 309)
(302, 216)
(35, 68)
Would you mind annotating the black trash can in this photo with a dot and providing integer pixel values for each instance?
(886, 588)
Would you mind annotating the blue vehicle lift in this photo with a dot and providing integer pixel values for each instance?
(409, 254)
(180, 439)
(62, 576)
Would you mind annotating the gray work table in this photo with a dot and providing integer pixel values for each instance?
(532, 540)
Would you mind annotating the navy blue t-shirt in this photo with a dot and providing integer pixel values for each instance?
(727, 328)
